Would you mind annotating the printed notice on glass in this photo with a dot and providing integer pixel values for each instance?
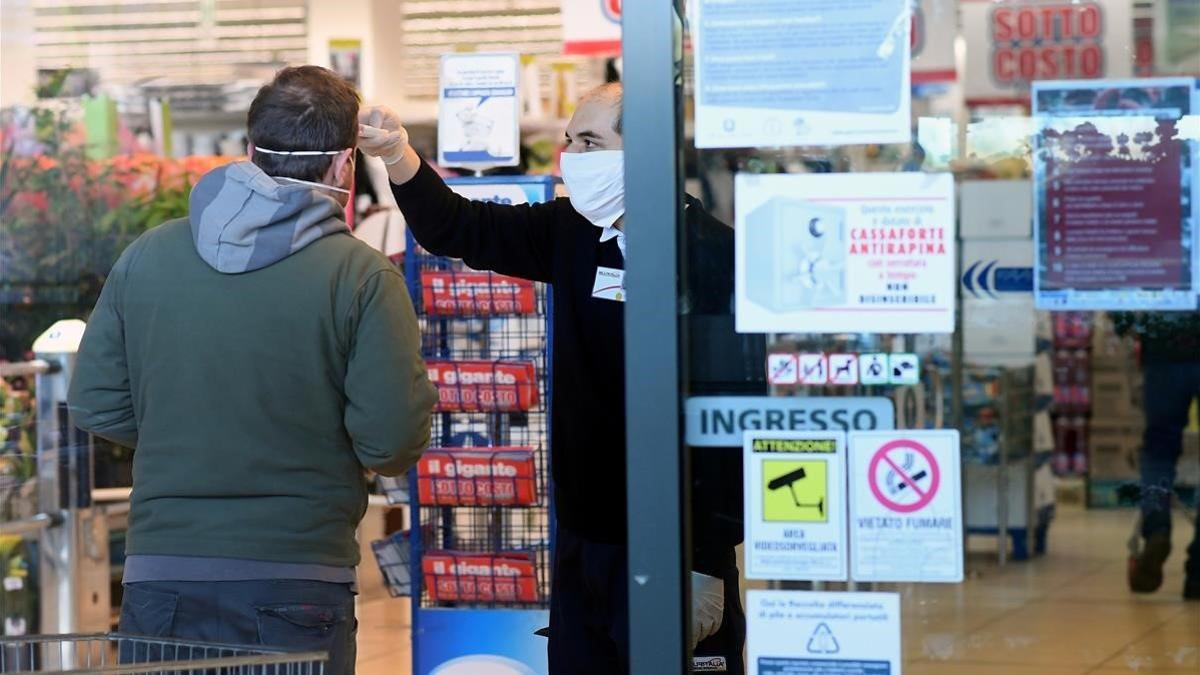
(845, 253)
(1115, 203)
(802, 72)
(479, 111)
(795, 506)
(822, 633)
(905, 506)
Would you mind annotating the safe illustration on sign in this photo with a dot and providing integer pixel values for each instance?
(802, 250)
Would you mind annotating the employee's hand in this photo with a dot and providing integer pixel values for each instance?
(382, 134)
(708, 606)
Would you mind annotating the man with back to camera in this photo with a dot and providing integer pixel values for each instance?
(578, 246)
(258, 357)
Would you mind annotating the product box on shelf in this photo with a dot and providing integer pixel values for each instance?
(456, 576)
(499, 476)
(484, 386)
(452, 293)
(1113, 450)
(1116, 395)
(1110, 351)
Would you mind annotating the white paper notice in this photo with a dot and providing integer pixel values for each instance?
(905, 506)
(811, 633)
(479, 111)
(801, 72)
(795, 505)
(845, 253)
(999, 319)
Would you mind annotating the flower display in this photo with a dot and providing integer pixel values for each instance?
(65, 218)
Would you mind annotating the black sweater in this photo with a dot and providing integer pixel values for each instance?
(552, 243)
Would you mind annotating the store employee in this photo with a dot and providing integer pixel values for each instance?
(578, 246)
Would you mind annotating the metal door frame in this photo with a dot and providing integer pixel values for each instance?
(658, 491)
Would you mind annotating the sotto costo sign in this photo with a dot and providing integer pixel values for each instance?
(1012, 43)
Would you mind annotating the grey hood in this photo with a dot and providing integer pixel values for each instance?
(244, 220)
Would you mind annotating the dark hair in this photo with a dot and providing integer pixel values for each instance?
(303, 108)
(613, 94)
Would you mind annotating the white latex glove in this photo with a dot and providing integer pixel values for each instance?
(381, 134)
(708, 606)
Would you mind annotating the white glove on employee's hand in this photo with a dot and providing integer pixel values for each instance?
(708, 606)
(381, 134)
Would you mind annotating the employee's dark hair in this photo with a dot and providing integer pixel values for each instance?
(303, 108)
(611, 93)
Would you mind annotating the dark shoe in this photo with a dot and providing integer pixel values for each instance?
(1146, 568)
(1191, 587)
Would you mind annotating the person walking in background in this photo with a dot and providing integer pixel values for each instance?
(257, 357)
(1171, 358)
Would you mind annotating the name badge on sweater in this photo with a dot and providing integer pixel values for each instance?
(610, 284)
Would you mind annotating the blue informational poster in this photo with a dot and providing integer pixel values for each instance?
(479, 110)
(1116, 164)
(802, 72)
(481, 641)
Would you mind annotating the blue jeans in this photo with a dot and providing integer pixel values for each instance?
(1170, 390)
(287, 614)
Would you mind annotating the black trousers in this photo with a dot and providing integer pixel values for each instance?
(1170, 390)
(288, 614)
(589, 612)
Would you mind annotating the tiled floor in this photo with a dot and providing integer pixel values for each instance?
(1065, 614)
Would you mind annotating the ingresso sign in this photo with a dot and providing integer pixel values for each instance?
(718, 421)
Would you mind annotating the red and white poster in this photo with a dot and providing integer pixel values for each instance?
(844, 253)
(1114, 194)
(1011, 43)
(499, 476)
(934, 27)
(475, 294)
(591, 27)
(484, 386)
(455, 576)
(906, 521)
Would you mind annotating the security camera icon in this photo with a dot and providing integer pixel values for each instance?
(789, 481)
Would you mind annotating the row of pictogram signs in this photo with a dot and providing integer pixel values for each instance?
(843, 369)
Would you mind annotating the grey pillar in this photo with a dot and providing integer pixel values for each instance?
(659, 548)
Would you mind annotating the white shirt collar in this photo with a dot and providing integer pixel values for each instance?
(611, 232)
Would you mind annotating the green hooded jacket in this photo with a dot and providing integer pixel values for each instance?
(258, 357)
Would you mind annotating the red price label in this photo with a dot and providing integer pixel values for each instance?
(503, 476)
(451, 576)
(476, 294)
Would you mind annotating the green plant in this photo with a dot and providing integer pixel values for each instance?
(64, 219)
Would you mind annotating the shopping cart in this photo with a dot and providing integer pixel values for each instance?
(115, 654)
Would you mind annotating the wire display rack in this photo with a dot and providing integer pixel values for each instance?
(115, 654)
(481, 521)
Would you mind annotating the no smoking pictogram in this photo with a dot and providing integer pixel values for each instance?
(904, 476)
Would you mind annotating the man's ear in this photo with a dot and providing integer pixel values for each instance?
(341, 170)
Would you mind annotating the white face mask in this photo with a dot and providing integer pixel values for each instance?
(596, 181)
